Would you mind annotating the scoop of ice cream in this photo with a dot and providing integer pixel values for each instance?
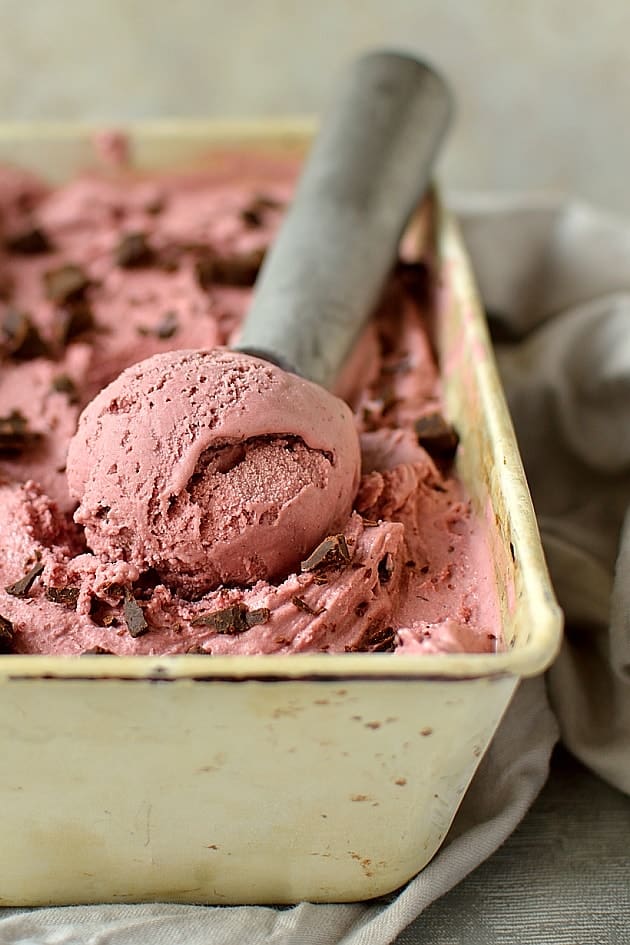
(212, 467)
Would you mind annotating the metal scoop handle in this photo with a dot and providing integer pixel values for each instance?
(367, 170)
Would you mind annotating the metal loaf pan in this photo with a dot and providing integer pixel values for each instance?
(276, 778)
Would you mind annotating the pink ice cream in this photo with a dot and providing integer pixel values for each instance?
(212, 467)
(160, 538)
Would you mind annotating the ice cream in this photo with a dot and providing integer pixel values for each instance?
(106, 272)
(212, 467)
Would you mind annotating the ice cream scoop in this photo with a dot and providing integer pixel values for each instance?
(212, 467)
(219, 466)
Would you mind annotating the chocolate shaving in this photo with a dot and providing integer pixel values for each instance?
(436, 435)
(63, 384)
(233, 619)
(97, 651)
(134, 252)
(65, 284)
(134, 616)
(377, 640)
(22, 587)
(301, 604)
(22, 339)
(241, 269)
(29, 242)
(15, 436)
(6, 635)
(63, 595)
(165, 328)
(331, 552)
(71, 322)
(386, 568)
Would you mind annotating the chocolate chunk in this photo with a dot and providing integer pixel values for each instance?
(63, 384)
(21, 338)
(65, 284)
(63, 595)
(134, 252)
(6, 635)
(134, 616)
(97, 651)
(29, 242)
(386, 568)
(102, 614)
(306, 608)
(331, 552)
(415, 278)
(73, 321)
(252, 216)
(241, 269)
(155, 206)
(377, 639)
(233, 619)
(165, 328)
(15, 436)
(22, 587)
(361, 609)
(436, 435)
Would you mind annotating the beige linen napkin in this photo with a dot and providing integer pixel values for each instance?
(556, 280)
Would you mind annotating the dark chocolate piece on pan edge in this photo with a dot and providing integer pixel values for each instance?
(437, 435)
(22, 587)
(233, 619)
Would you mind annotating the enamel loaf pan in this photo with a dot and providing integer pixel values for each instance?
(277, 778)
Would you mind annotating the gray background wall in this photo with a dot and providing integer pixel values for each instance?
(543, 87)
